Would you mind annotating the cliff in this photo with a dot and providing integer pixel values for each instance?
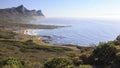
(19, 14)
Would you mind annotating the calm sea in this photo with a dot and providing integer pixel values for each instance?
(80, 31)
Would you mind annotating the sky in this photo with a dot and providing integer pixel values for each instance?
(70, 8)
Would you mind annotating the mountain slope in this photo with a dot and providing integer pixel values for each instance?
(19, 14)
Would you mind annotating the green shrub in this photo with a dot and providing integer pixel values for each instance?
(117, 40)
(84, 57)
(118, 59)
(11, 62)
(104, 54)
(85, 66)
(60, 62)
(72, 55)
(118, 56)
(77, 61)
(33, 65)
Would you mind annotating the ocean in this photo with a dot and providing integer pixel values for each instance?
(83, 32)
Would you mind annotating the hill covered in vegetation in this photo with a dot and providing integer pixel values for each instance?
(29, 54)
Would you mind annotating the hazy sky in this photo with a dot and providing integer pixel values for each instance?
(70, 8)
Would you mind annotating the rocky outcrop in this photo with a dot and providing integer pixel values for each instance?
(19, 14)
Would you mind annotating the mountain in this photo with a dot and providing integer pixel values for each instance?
(19, 14)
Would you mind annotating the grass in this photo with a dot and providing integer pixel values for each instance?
(15, 48)
(34, 38)
(85, 66)
(29, 50)
(4, 34)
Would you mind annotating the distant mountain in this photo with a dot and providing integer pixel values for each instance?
(19, 14)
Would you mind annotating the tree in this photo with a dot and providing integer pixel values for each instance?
(117, 41)
(104, 54)
(118, 38)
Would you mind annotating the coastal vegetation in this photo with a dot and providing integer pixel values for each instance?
(19, 26)
(25, 51)
(29, 54)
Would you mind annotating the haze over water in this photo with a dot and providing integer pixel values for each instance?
(81, 31)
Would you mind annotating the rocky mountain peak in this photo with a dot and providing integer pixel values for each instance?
(21, 9)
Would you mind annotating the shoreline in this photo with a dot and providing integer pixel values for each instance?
(22, 29)
(38, 40)
(46, 39)
(23, 35)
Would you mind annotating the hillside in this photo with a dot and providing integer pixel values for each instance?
(29, 54)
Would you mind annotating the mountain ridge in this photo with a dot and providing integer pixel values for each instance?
(19, 14)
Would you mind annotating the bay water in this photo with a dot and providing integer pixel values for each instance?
(82, 32)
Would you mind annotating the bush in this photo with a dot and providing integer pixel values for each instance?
(117, 41)
(11, 62)
(104, 54)
(60, 62)
(85, 66)
(33, 65)
(77, 61)
(72, 55)
(118, 38)
(85, 58)
(118, 56)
